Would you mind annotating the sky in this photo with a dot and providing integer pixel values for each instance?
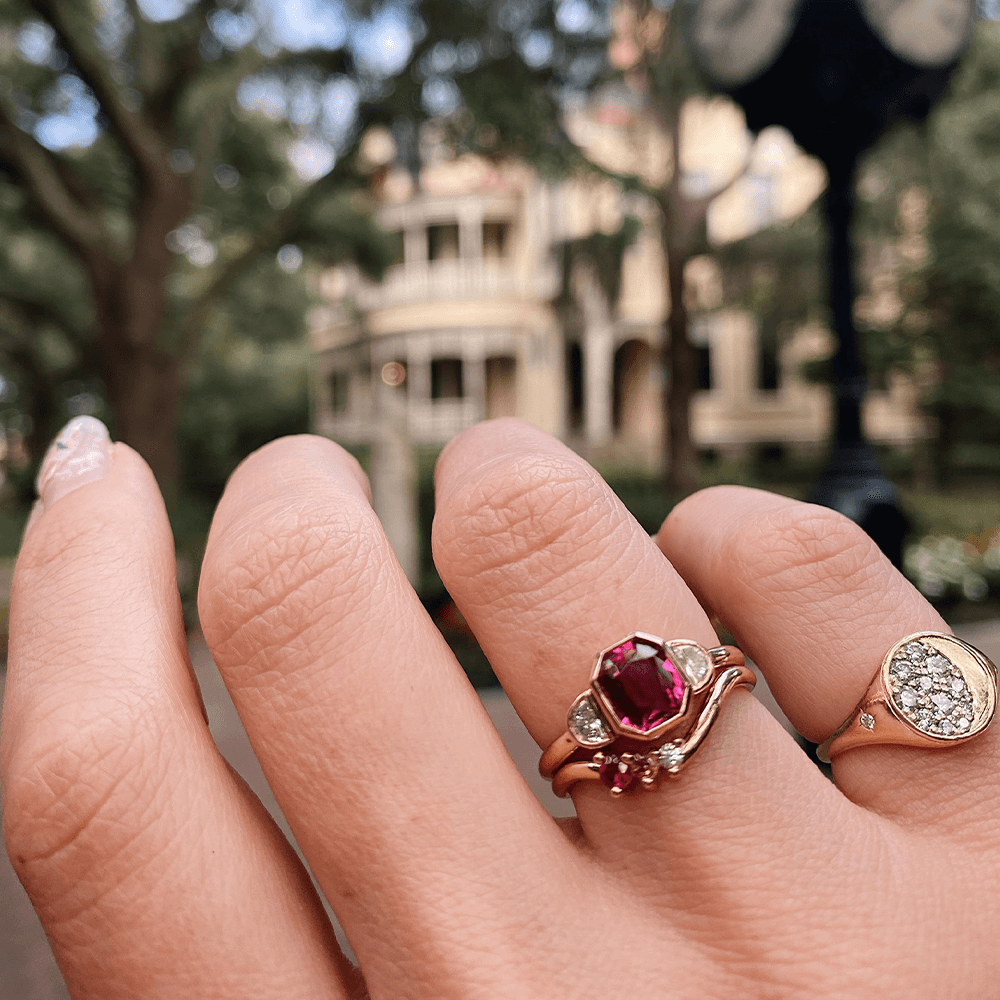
(382, 44)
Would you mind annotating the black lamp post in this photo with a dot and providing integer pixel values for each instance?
(836, 74)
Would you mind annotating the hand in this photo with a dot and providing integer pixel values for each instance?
(157, 874)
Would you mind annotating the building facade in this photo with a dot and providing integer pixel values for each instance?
(472, 321)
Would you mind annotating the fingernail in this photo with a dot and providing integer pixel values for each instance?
(80, 454)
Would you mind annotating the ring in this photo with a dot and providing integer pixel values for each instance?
(643, 690)
(932, 690)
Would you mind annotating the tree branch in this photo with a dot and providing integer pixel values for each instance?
(35, 312)
(142, 143)
(279, 229)
(75, 226)
(142, 48)
(187, 62)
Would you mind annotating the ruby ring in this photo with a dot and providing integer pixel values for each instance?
(649, 706)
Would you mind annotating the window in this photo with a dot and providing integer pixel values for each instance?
(396, 241)
(501, 386)
(703, 366)
(496, 240)
(574, 385)
(768, 364)
(340, 384)
(446, 378)
(442, 242)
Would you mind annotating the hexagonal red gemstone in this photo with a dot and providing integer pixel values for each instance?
(640, 685)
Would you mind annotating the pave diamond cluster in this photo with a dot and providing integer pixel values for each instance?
(930, 691)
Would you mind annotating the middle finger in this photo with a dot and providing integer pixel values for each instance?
(549, 568)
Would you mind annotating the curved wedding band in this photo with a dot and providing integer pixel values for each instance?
(642, 691)
(932, 690)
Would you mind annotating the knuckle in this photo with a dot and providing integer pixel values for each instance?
(536, 515)
(805, 548)
(76, 800)
(59, 542)
(291, 568)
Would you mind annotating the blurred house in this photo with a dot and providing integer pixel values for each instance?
(477, 319)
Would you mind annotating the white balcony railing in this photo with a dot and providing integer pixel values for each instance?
(443, 280)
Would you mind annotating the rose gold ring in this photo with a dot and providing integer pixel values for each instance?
(932, 690)
(643, 690)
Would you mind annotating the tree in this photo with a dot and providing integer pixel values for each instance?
(958, 291)
(136, 190)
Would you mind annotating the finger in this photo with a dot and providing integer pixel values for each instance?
(414, 820)
(816, 605)
(153, 869)
(549, 568)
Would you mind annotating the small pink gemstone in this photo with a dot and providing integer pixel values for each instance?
(617, 773)
(640, 685)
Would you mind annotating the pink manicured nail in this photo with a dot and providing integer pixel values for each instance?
(80, 454)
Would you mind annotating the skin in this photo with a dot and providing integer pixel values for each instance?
(156, 873)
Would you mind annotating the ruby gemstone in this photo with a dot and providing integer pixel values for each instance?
(640, 685)
(617, 773)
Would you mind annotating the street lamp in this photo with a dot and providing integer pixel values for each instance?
(836, 74)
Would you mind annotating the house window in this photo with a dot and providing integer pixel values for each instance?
(501, 386)
(703, 366)
(442, 242)
(396, 242)
(768, 364)
(574, 385)
(340, 384)
(446, 378)
(496, 240)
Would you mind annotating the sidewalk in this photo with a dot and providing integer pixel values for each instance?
(27, 970)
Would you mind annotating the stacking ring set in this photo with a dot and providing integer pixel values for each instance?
(651, 704)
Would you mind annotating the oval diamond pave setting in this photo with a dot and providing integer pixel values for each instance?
(939, 686)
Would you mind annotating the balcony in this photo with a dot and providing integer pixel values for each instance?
(451, 280)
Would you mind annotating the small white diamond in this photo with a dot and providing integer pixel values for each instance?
(908, 697)
(939, 664)
(963, 724)
(926, 683)
(915, 651)
(670, 755)
(866, 720)
(947, 728)
(942, 700)
(901, 670)
(958, 685)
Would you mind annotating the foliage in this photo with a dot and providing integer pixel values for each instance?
(962, 280)
(146, 166)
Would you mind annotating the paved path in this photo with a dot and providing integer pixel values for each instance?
(27, 970)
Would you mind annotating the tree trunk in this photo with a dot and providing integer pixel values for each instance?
(681, 461)
(144, 392)
(143, 380)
